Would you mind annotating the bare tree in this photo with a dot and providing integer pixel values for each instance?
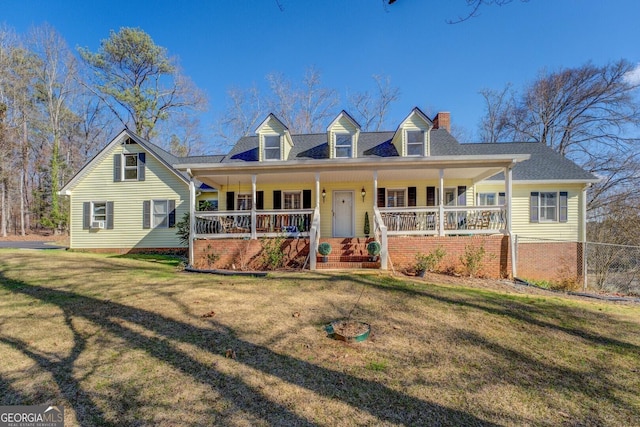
(588, 114)
(371, 109)
(494, 126)
(245, 108)
(315, 103)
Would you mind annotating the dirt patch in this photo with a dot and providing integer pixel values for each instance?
(37, 236)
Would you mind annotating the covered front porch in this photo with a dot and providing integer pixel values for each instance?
(322, 200)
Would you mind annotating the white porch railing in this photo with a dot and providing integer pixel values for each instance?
(314, 239)
(380, 234)
(225, 224)
(457, 220)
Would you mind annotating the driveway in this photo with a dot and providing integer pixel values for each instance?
(30, 245)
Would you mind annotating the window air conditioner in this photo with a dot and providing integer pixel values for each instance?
(97, 224)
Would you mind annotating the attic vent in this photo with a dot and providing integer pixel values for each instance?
(128, 141)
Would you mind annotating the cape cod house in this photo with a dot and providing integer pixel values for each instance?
(417, 188)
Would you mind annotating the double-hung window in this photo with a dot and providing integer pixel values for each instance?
(271, 147)
(158, 213)
(396, 198)
(98, 211)
(131, 167)
(548, 206)
(244, 202)
(344, 143)
(489, 199)
(291, 200)
(415, 143)
(97, 215)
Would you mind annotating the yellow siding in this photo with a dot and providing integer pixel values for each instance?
(97, 185)
(413, 122)
(272, 127)
(521, 226)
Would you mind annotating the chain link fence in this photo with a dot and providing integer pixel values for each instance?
(613, 268)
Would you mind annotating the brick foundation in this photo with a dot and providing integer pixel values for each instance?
(496, 264)
(242, 254)
(121, 251)
(554, 261)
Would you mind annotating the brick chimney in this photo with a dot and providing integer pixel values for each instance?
(442, 121)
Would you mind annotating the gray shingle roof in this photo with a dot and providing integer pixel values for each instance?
(544, 164)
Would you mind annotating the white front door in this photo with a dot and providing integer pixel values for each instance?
(343, 218)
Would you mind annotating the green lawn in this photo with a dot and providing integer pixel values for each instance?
(133, 341)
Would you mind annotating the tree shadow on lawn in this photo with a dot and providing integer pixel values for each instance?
(383, 403)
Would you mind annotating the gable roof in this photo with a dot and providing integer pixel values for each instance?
(164, 157)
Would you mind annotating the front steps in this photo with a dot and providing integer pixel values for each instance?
(347, 253)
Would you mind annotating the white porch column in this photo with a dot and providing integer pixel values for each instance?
(318, 190)
(254, 236)
(508, 182)
(375, 188)
(192, 217)
(583, 231)
(441, 205)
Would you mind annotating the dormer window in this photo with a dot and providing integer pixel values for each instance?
(272, 147)
(343, 145)
(415, 143)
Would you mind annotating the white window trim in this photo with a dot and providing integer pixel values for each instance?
(153, 214)
(422, 143)
(245, 196)
(125, 168)
(92, 206)
(556, 207)
(496, 196)
(404, 190)
(336, 146)
(265, 148)
(282, 200)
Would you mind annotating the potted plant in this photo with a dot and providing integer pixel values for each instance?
(374, 250)
(367, 226)
(324, 249)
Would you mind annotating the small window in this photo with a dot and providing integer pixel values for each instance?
(244, 202)
(99, 211)
(292, 200)
(271, 147)
(415, 143)
(343, 145)
(396, 198)
(486, 199)
(131, 167)
(207, 205)
(160, 213)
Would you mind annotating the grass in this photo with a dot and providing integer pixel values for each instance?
(131, 341)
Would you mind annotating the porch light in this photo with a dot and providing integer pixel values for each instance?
(363, 193)
(324, 195)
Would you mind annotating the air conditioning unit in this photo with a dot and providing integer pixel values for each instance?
(97, 224)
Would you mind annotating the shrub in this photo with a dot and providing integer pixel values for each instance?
(272, 252)
(367, 225)
(183, 229)
(324, 248)
(430, 261)
(472, 259)
(373, 248)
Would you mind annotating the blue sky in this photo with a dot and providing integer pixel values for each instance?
(436, 65)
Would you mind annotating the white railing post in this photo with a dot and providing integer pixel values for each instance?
(381, 234)
(314, 235)
(441, 205)
(192, 219)
(254, 236)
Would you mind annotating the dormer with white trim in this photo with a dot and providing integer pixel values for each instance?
(342, 135)
(274, 138)
(412, 136)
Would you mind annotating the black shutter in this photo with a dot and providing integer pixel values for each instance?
(462, 195)
(412, 196)
(117, 168)
(259, 200)
(431, 196)
(146, 214)
(230, 199)
(141, 166)
(277, 199)
(564, 198)
(109, 216)
(306, 199)
(86, 215)
(172, 213)
(382, 195)
(533, 207)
